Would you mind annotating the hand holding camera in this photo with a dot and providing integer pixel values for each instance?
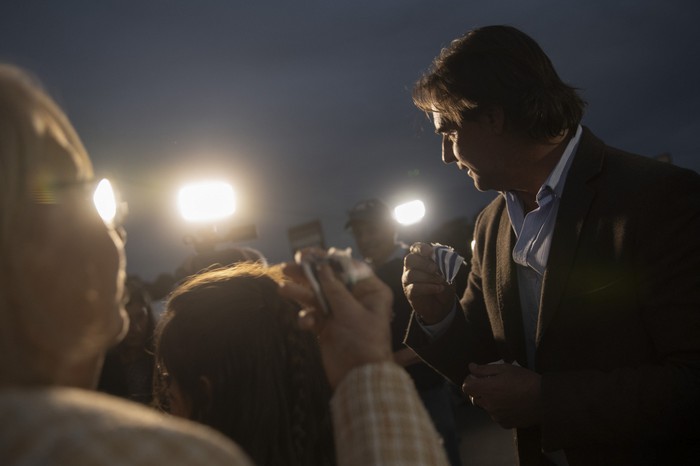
(345, 268)
(354, 329)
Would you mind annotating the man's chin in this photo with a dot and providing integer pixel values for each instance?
(479, 183)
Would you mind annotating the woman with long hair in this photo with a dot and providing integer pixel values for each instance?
(230, 355)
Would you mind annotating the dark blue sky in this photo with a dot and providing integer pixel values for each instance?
(305, 105)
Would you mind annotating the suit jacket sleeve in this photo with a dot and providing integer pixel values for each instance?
(469, 337)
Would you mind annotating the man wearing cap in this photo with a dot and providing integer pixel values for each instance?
(374, 230)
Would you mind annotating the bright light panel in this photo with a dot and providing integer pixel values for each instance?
(206, 201)
(410, 212)
(105, 201)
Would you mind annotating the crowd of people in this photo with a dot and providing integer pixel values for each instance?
(62, 307)
(576, 322)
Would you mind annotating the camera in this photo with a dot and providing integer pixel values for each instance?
(346, 269)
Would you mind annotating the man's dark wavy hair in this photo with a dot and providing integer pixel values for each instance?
(500, 66)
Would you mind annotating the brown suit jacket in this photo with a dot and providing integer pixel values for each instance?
(618, 335)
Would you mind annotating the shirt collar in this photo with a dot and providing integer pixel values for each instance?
(555, 181)
(554, 184)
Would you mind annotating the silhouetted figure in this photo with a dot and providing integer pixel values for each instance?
(161, 286)
(376, 236)
(128, 368)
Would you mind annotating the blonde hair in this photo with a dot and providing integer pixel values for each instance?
(35, 138)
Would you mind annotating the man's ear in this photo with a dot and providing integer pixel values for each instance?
(495, 118)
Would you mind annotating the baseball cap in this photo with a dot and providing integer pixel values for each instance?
(369, 210)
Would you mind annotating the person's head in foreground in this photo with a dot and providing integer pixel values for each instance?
(230, 355)
(61, 264)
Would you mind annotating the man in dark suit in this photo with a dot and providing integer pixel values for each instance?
(585, 279)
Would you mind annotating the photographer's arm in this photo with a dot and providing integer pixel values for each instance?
(377, 414)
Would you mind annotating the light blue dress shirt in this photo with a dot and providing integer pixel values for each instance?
(534, 238)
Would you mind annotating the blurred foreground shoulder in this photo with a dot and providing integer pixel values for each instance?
(67, 426)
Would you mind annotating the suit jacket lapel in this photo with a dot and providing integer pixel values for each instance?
(507, 292)
(575, 203)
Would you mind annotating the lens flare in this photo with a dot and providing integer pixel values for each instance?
(206, 201)
(409, 213)
(105, 201)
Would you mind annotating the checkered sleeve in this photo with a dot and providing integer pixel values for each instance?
(379, 420)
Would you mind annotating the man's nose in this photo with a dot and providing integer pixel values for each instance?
(448, 155)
